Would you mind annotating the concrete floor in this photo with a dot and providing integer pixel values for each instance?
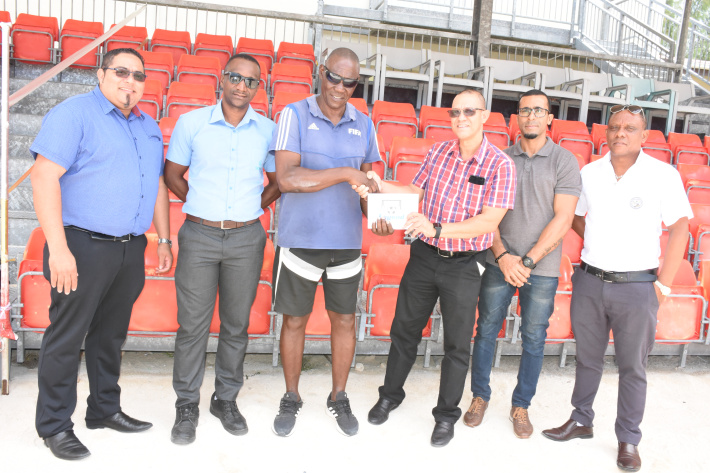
(675, 439)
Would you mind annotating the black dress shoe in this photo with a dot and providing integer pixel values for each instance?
(381, 411)
(568, 431)
(119, 422)
(628, 458)
(186, 420)
(443, 433)
(66, 446)
(228, 413)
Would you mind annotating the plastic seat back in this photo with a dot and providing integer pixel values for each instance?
(159, 66)
(496, 130)
(281, 99)
(434, 122)
(34, 289)
(199, 70)
(210, 45)
(394, 119)
(176, 43)
(152, 100)
(296, 53)
(77, 34)
(260, 103)
(656, 146)
(572, 246)
(134, 37)
(679, 318)
(262, 50)
(33, 38)
(360, 104)
(369, 238)
(185, 97)
(406, 156)
(291, 78)
(598, 136)
(167, 124)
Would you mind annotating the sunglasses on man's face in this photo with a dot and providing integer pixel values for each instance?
(235, 78)
(635, 109)
(335, 79)
(468, 112)
(123, 73)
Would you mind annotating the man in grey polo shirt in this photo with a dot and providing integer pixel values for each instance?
(525, 256)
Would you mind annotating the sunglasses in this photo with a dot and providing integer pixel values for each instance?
(635, 109)
(235, 78)
(335, 79)
(538, 111)
(469, 112)
(123, 73)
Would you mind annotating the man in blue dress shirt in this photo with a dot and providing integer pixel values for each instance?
(97, 184)
(226, 149)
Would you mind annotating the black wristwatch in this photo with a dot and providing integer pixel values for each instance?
(437, 227)
(528, 262)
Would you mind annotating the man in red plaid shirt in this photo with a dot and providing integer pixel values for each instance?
(467, 185)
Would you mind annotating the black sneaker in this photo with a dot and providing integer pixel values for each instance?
(186, 419)
(228, 413)
(285, 420)
(340, 410)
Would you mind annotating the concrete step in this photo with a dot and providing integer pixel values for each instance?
(25, 124)
(19, 146)
(45, 97)
(19, 70)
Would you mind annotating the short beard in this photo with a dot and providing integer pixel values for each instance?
(530, 136)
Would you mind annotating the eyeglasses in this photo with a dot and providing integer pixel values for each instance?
(235, 78)
(335, 79)
(468, 111)
(635, 109)
(538, 111)
(123, 73)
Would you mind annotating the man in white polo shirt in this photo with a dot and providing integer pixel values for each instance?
(625, 196)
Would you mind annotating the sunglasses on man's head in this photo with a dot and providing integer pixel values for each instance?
(335, 79)
(235, 78)
(468, 111)
(123, 73)
(635, 109)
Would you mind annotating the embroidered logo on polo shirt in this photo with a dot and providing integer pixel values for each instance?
(636, 203)
(353, 131)
(313, 127)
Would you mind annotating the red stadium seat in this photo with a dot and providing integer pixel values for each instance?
(318, 325)
(514, 129)
(210, 45)
(267, 219)
(176, 43)
(696, 180)
(260, 103)
(33, 38)
(291, 78)
(706, 142)
(360, 104)
(688, 149)
(4, 18)
(152, 100)
(595, 157)
(656, 146)
(599, 137)
(282, 99)
(434, 122)
(167, 124)
(199, 70)
(572, 246)
(159, 66)
(134, 37)
(394, 119)
(77, 34)
(296, 53)
(574, 137)
(380, 167)
(369, 238)
(185, 97)
(406, 156)
(34, 288)
(262, 50)
(177, 218)
(496, 130)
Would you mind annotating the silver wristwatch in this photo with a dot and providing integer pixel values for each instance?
(165, 240)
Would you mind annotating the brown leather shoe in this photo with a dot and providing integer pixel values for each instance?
(474, 415)
(522, 427)
(628, 458)
(568, 431)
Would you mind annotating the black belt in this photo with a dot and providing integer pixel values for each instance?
(449, 254)
(647, 275)
(102, 236)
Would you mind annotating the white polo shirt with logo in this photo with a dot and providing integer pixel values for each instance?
(623, 218)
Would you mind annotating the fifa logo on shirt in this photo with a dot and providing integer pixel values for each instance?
(353, 131)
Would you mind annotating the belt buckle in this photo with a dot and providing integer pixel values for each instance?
(123, 240)
(438, 251)
(604, 273)
(221, 225)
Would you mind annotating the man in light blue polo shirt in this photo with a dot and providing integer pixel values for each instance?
(323, 146)
(226, 149)
(97, 185)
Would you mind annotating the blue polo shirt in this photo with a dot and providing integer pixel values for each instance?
(113, 163)
(330, 218)
(226, 163)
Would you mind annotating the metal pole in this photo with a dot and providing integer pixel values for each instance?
(689, 64)
(683, 39)
(5, 326)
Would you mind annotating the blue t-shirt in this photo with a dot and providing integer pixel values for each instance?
(226, 163)
(113, 163)
(330, 218)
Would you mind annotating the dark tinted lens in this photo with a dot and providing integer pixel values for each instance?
(335, 79)
(139, 76)
(251, 82)
(469, 112)
(454, 112)
(122, 72)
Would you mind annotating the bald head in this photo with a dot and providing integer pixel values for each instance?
(479, 96)
(340, 54)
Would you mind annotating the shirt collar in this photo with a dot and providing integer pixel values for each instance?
(478, 156)
(218, 115)
(641, 162)
(544, 152)
(315, 110)
(107, 106)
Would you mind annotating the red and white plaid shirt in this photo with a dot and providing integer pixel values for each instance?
(449, 196)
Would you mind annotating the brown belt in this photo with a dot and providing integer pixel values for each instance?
(224, 224)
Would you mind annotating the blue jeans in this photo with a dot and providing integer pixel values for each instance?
(537, 302)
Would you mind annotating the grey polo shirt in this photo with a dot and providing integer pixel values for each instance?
(553, 170)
